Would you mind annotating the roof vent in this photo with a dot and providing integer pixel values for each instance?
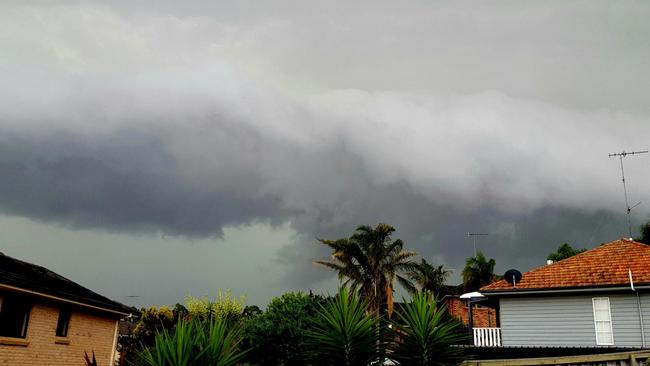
(549, 261)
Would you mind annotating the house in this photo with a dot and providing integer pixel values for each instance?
(48, 320)
(599, 298)
(482, 316)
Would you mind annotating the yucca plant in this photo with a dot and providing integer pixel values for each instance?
(195, 343)
(344, 333)
(425, 335)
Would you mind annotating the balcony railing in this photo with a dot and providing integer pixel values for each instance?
(487, 337)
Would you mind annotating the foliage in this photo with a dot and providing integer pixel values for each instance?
(645, 233)
(251, 311)
(195, 342)
(425, 335)
(152, 320)
(427, 278)
(564, 251)
(89, 361)
(278, 336)
(344, 333)
(225, 306)
(478, 272)
(369, 261)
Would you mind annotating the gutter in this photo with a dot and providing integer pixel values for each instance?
(61, 299)
(560, 290)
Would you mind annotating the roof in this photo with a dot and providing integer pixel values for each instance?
(30, 277)
(604, 266)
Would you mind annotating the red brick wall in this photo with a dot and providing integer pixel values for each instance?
(86, 332)
(483, 317)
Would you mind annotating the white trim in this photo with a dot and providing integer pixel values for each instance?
(117, 325)
(560, 290)
(609, 313)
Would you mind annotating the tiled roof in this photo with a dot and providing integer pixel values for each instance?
(27, 276)
(604, 266)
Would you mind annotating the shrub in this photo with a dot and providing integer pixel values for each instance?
(425, 335)
(344, 333)
(195, 342)
(225, 306)
(278, 336)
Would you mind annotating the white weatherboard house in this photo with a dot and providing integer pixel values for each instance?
(599, 298)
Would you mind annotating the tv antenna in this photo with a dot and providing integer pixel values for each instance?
(628, 209)
(473, 236)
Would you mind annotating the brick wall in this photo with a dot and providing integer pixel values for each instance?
(86, 332)
(483, 317)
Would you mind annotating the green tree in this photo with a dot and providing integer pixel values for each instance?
(278, 336)
(425, 335)
(345, 333)
(478, 272)
(369, 262)
(645, 233)
(427, 278)
(564, 251)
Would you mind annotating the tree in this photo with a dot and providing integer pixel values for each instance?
(278, 336)
(564, 251)
(478, 272)
(369, 261)
(645, 234)
(427, 278)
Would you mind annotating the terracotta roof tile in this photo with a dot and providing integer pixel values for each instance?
(606, 265)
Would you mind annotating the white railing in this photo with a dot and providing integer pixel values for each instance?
(487, 337)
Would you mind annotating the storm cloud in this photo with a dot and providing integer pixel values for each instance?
(439, 119)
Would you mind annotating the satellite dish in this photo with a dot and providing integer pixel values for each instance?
(513, 276)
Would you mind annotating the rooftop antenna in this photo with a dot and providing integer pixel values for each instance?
(628, 209)
(473, 236)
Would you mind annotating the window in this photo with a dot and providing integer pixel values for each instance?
(603, 321)
(63, 323)
(14, 314)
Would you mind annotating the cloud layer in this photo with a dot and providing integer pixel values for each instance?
(439, 119)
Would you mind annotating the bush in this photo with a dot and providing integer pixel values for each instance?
(195, 342)
(278, 336)
(425, 335)
(225, 306)
(344, 333)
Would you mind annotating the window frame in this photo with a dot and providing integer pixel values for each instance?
(68, 315)
(609, 321)
(25, 323)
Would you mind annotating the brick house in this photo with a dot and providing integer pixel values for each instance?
(48, 320)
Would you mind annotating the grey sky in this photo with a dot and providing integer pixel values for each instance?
(185, 147)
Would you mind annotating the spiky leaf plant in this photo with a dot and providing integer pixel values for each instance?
(195, 343)
(344, 333)
(425, 335)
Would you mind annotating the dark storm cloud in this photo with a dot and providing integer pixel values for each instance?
(439, 119)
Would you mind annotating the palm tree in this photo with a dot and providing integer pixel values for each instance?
(427, 278)
(478, 272)
(369, 262)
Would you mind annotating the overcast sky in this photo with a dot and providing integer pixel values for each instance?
(154, 150)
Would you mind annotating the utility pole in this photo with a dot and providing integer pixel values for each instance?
(473, 236)
(628, 209)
